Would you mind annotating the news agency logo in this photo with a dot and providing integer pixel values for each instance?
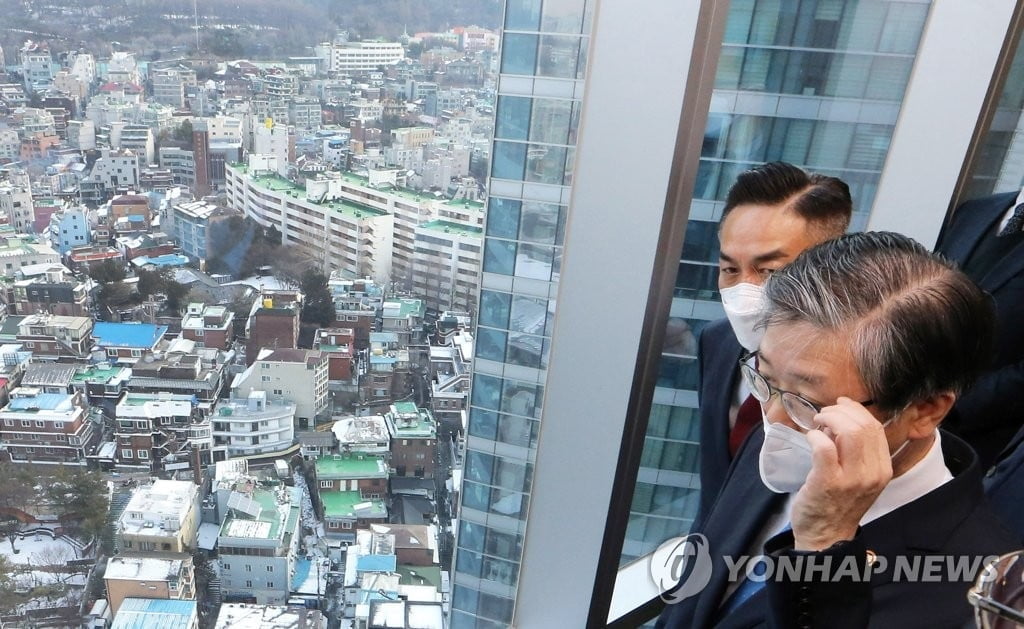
(683, 561)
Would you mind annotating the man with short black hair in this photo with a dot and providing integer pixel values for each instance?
(772, 213)
(867, 342)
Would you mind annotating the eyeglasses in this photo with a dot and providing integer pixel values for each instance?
(800, 409)
(998, 594)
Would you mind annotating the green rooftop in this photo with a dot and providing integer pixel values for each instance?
(353, 465)
(413, 422)
(242, 525)
(425, 575)
(277, 183)
(464, 204)
(95, 375)
(449, 227)
(341, 504)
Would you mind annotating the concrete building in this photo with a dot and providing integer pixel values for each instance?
(368, 434)
(273, 322)
(70, 228)
(403, 316)
(49, 288)
(183, 368)
(249, 616)
(117, 170)
(47, 428)
(169, 85)
(450, 370)
(149, 578)
(446, 268)
(36, 65)
(365, 56)
(17, 251)
(357, 304)
(388, 372)
(162, 516)
(351, 490)
(413, 440)
(150, 612)
(294, 375)
(339, 345)
(258, 544)
(254, 425)
(160, 431)
(137, 138)
(81, 135)
(126, 342)
(16, 205)
(181, 163)
(192, 227)
(208, 326)
(55, 337)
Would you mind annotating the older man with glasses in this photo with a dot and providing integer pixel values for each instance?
(861, 512)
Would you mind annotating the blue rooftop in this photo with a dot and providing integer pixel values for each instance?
(140, 335)
(42, 402)
(167, 259)
(146, 613)
(377, 563)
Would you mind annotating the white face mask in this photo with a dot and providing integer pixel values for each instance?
(743, 305)
(786, 457)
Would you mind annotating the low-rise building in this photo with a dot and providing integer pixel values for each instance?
(160, 431)
(413, 440)
(388, 374)
(56, 337)
(295, 375)
(208, 326)
(18, 250)
(258, 544)
(154, 612)
(38, 427)
(351, 489)
(339, 346)
(450, 369)
(149, 577)
(162, 516)
(183, 369)
(367, 434)
(404, 317)
(357, 304)
(249, 616)
(253, 425)
(49, 288)
(273, 322)
(127, 342)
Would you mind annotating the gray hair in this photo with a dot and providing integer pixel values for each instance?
(917, 326)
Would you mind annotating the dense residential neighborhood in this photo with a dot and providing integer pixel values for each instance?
(236, 313)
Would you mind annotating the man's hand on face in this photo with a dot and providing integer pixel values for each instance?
(851, 466)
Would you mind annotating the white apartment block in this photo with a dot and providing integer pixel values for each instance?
(446, 267)
(10, 145)
(169, 85)
(82, 135)
(253, 425)
(181, 163)
(365, 56)
(298, 376)
(16, 206)
(83, 67)
(117, 169)
(348, 235)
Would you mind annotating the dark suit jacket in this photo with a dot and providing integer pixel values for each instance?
(718, 356)
(1004, 484)
(990, 413)
(952, 520)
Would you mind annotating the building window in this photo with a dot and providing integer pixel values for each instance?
(248, 584)
(26, 423)
(8, 422)
(58, 425)
(112, 352)
(270, 568)
(332, 525)
(40, 423)
(136, 353)
(265, 378)
(127, 454)
(143, 454)
(326, 484)
(270, 584)
(346, 525)
(248, 568)
(225, 566)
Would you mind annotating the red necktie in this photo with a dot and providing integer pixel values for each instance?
(748, 416)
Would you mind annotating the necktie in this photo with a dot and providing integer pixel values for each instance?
(1016, 222)
(748, 416)
(749, 587)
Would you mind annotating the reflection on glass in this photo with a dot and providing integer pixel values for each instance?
(558, 56)
(522, 15)
(512, 120)
(509, 160)
(518, 53)
(499, 256)
(534, 262)
(545, 164)
(551, 120)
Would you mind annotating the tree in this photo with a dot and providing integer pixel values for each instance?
(107, 271)
(149, 282)
(114, 295)
(183, 134)
(175, 292)
(79, 497)
(318, 306)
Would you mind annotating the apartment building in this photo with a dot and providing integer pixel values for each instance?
(253, 425)
(155, 578)
(162, 516)
(38, 427)
(298, 376)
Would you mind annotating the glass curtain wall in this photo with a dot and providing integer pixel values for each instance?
(543, 63)
(817, 83)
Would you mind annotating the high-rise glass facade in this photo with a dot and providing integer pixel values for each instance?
(818, 83)
(543, 63)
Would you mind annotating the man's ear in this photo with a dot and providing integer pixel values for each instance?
(925, 416)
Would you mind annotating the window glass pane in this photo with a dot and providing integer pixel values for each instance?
(479, 466)
(503, 217)
(483, 423)
(491, 344)
(516, 431)
(525, 350)
(514, 475)
(534, 262)
(469, 563)
(520, 398)
(509, 160)
(522, 15)
(540, 222)
(558, 56)
(496, 608)
(512, 121)
(486, 391)
(494, 308)
(471, 536)
(509, 503)
(499, 570)
(528, 314)
(545, 164)
(518, 53)
(551, 121)
(499, 256)
(562, 16)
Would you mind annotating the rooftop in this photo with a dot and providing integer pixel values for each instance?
(349, 504)
(277, 183)
(261, 514)
(247, 616)
(134, 335)
(404, 307)
(142, 569)
(353, 465)
(100, 375)
(153, 507)
(165, 260)
(448, 227)
(147, 613)
(25, 402)
(409, 421)
(362, 430)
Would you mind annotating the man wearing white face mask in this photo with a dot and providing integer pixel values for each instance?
(772, 213)
(868, 340)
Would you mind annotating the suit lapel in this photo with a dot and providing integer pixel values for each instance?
(973, 225)
(724, 374)
(733, 524)
(1011, 266)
